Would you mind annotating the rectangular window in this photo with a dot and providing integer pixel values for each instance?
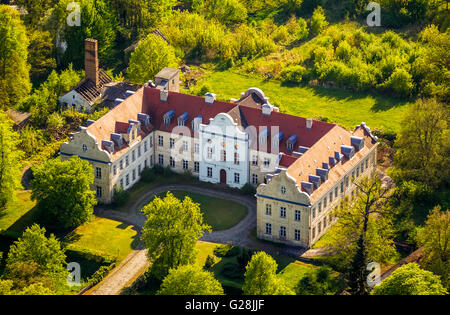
(282, 232)
(268, 228)
(223, 155)
(209, 172)
(209, 153)
(121, 164)
(133, 157)
(139, 151)
(236, 178)
(282, 212)
(268, 209)
(255, 179)
(133, 176)
(160, 141)
(196, 148)
(98, 172)
(172, 143)
(139, 169)
(367, 163)
(185, 146)
(297, 215)
(331, 197)
(255, 160)
(324, 222)
(172, 162)
(127, 180)
(266, 162)
(126, 161)
(145, 146)
(114, 169)
(161, 159)
(151, 142)
(342, 187)
(320, 206)
(121, 182)
(185, 165)
(297, 235)
(236, 158)
(324, 203)
(335, 192)
(319, 227)
(196, 167)
(313, 212)
(99, 191)
(313, 233)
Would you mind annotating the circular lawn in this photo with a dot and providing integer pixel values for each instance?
(221, 214)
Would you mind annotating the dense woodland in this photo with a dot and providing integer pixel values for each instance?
(301, 43)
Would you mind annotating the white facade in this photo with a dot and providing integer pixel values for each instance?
(73, 100)
(224, 152)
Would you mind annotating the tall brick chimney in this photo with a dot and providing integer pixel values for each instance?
(91, 60)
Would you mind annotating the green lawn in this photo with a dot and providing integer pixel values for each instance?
(343, 107)
(219, 213)
(18, 215)
(104, 237)
(290, 270)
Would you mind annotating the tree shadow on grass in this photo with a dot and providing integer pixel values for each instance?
(16, 229)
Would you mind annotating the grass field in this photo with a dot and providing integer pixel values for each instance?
(290, 270)
(18, 215)
(104, 237)
(343, 107)
(219, 213)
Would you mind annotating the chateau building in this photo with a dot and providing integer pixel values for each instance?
(300, 167)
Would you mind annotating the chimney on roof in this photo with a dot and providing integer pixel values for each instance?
(163, 95)
(91, 60)
(210, 98)
(309, 123)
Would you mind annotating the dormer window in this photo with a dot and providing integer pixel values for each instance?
(84, 148)
(276, 140)
(168, 117)
(196, 123)
(291, 142)
(263, 136)
(182, 119)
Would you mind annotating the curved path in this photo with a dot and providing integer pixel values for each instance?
(237, 235)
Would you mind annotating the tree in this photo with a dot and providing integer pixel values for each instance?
(261, 277)
(63, 193)
(409, 279)
(423, 145)
(363, 231)
(14, 69)
(171, 231)
(34, 257)
(400, 83)
(317, 282)
(150, 56)
(190, 280)
(41, 54)
(36, 9)
(98, 21)
(10, 170)
(318, 21)
(435, 239)
(228, 12)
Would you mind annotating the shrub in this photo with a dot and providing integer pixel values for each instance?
(227, 250)
(210, 261)
(248, 189)
(233, 271)
(244, 257)
(100, 274)
(148, 175)
(293, 74)
(167, 171)
(121, 196)
(158, 169)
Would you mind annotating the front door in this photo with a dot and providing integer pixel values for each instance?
(223, 177)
